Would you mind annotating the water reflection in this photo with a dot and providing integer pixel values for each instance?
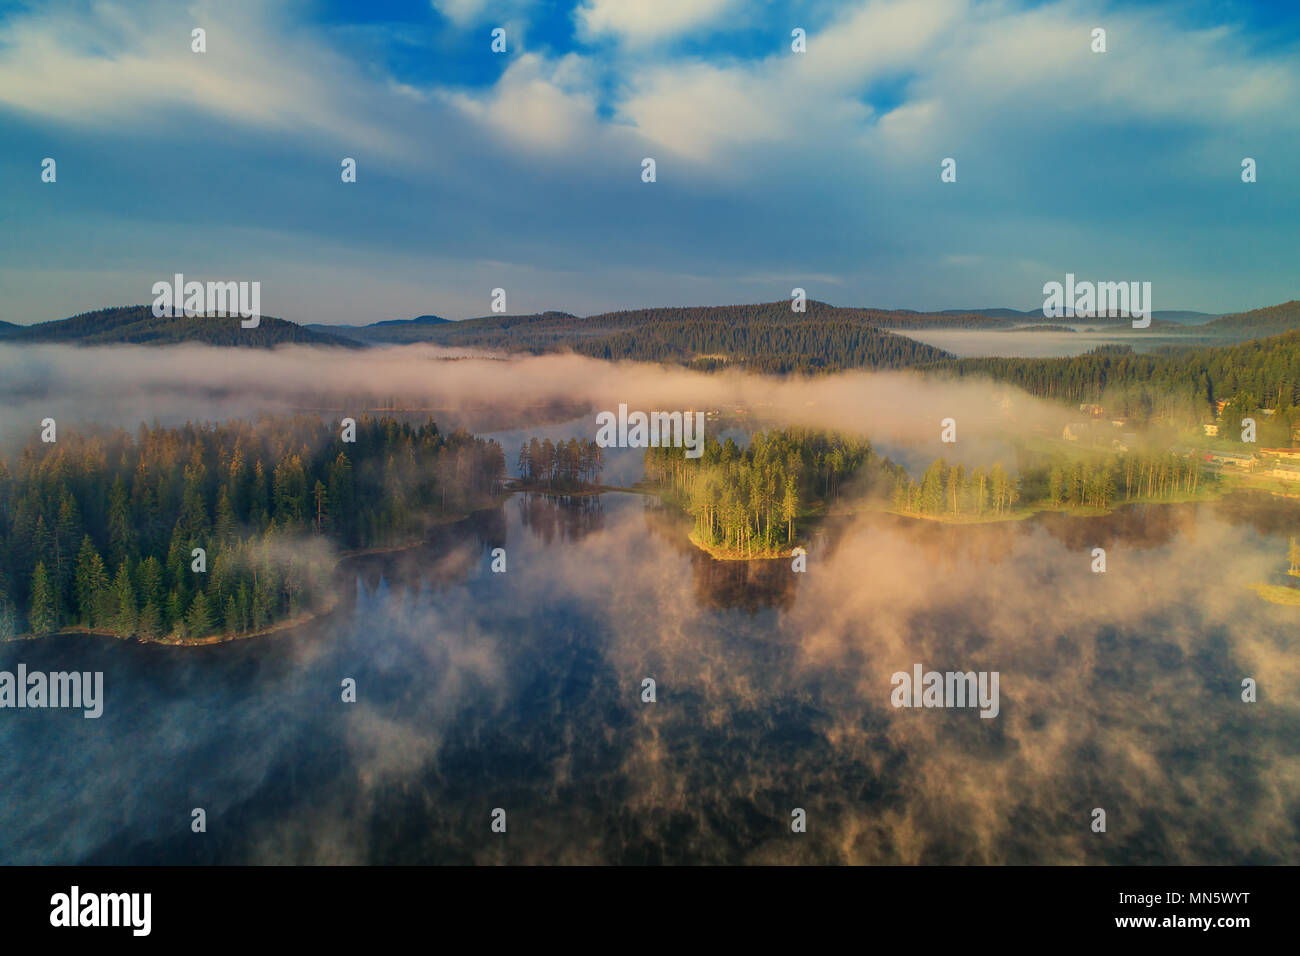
(568, 517)
(521, 690)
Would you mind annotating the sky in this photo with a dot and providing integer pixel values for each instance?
(522, 170)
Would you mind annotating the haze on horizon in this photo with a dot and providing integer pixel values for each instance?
(522, 170)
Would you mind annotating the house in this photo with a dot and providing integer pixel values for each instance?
(1225, 459)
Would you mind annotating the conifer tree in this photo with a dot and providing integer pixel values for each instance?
(44, 616)
(200, 619)
(127, 617)
(91, 581)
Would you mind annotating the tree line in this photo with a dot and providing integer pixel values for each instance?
(1180, 385)
(952, 490)
(749, 501)
(561, 466)
(100, 529)
(767, 337)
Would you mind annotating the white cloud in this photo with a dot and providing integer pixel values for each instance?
(709, 111)
(969, 74)
(461, 12)
(848, 135)
(466, 13)
(647, 21)
(114, 65)
(538, 103)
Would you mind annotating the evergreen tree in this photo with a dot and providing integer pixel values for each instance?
(340, 493)
(200, 620)
(121, 534)
(150, 625)
(91, 582)
(230, 615)
(321, 512)
(67, 533)
(149, 583)
(790, 507)
(127, 617)
(226, 524)
(44, 616)
(174, 617)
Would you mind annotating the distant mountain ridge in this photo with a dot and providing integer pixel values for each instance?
(766, 337)
(418, 320)
(137, 325)
(390, 331)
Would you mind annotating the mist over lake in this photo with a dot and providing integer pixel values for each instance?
(521, 690)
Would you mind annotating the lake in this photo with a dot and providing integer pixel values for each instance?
(522, 691)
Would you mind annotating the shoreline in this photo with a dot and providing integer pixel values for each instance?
(290, 623)
(1276, 594)
(1022, 514)
(306, 617)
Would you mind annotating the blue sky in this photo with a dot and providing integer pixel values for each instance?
(522, 170)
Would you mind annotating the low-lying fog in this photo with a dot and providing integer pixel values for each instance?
(127, 385)
(521, 690)
(974, 343)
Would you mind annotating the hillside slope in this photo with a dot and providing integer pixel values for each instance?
(136, 325)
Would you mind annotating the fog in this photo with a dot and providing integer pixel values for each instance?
(522, 690)
(124, 386)
(476, 690)
(970, 343)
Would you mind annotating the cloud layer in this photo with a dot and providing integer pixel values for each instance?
(522, 170)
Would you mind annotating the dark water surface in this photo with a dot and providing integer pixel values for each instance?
(521, 691)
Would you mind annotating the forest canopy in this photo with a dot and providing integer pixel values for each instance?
(99, 530)
(752, 501)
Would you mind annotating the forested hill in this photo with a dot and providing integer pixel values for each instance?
(1272, 320)
(137, 325)
(1182, 383)
(769, 337)
(389, 331)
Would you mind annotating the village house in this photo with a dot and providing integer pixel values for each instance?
(1224, 459)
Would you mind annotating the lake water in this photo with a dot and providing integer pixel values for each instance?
(522, 691)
